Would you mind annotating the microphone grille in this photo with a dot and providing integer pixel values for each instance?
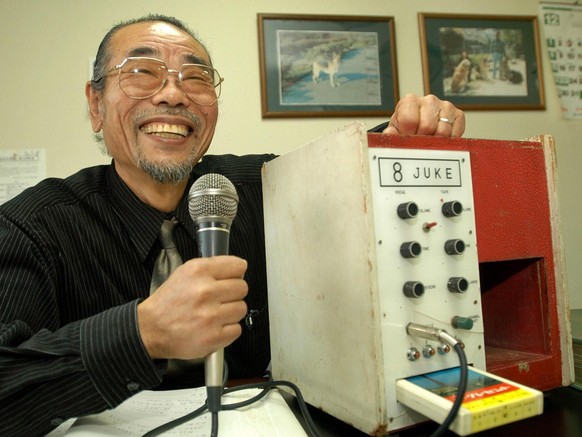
(212, 195)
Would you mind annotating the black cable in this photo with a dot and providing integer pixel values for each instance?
(177, 422)
(186, 418)
(214, 404)
(247, 402)
(214, 426)
(432, 333)
(311, 427)
(460, 392)
(266, 386)
(214, 400)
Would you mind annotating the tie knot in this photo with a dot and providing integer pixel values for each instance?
(166, 237)
(168, 259)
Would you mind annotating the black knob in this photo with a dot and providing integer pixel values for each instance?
(407, 210)
(413, 289)
(452, 209)
(410, 249)
(457, 285)
(454, 247)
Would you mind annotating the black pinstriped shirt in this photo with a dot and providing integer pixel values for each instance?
(76, 256)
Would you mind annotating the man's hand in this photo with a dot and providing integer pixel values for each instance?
(428, 115)
(197, 310)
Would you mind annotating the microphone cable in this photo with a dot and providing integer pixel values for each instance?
(462, 388)
(265, 388)
(190, 416)
(431, 333)
(312, 430)
(412, 329)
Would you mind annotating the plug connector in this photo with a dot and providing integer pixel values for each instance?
(431, 333)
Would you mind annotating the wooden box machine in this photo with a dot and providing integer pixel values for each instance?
(367, 233)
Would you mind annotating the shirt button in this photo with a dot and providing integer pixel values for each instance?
(57, 421)
(133, 386)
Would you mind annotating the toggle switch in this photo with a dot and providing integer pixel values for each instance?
(427, 226)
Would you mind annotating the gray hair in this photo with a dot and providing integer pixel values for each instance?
(104, 51)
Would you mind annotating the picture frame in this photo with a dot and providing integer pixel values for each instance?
(327, 65)
(482, 62)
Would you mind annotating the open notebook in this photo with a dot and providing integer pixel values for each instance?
(269, 417)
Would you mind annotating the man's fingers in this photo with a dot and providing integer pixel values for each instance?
(426, 115)
(220, 267)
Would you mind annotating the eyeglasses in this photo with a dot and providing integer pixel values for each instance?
(141, 78)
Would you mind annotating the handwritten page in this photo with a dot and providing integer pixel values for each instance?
(269, 417)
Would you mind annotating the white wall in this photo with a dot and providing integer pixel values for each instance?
(46, 47)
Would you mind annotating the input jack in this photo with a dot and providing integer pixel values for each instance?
(428, 351)
(413, 354)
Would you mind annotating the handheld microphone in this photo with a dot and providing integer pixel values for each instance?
(212, 203)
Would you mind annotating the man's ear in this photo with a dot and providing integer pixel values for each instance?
(94, 102)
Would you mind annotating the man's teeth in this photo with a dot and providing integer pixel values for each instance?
(165, 130)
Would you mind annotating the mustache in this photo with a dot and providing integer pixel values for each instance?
(140, 116)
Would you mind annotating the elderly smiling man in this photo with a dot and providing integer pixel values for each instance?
(80, 331)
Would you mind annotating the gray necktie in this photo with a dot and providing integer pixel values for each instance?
(168, 259)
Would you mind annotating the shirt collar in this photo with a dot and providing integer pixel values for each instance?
(142, 222)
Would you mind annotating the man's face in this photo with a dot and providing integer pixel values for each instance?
(162, 135)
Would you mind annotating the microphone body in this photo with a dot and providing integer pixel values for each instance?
(212, 236)
(212, 202)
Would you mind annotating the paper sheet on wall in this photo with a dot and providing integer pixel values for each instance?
(562, 28)
(20, 169)
(269, 417)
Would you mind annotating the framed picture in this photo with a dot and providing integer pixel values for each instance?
(482, 61)
(327, 66)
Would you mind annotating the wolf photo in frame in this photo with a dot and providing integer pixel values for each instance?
(482, 61)
(322, 66)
